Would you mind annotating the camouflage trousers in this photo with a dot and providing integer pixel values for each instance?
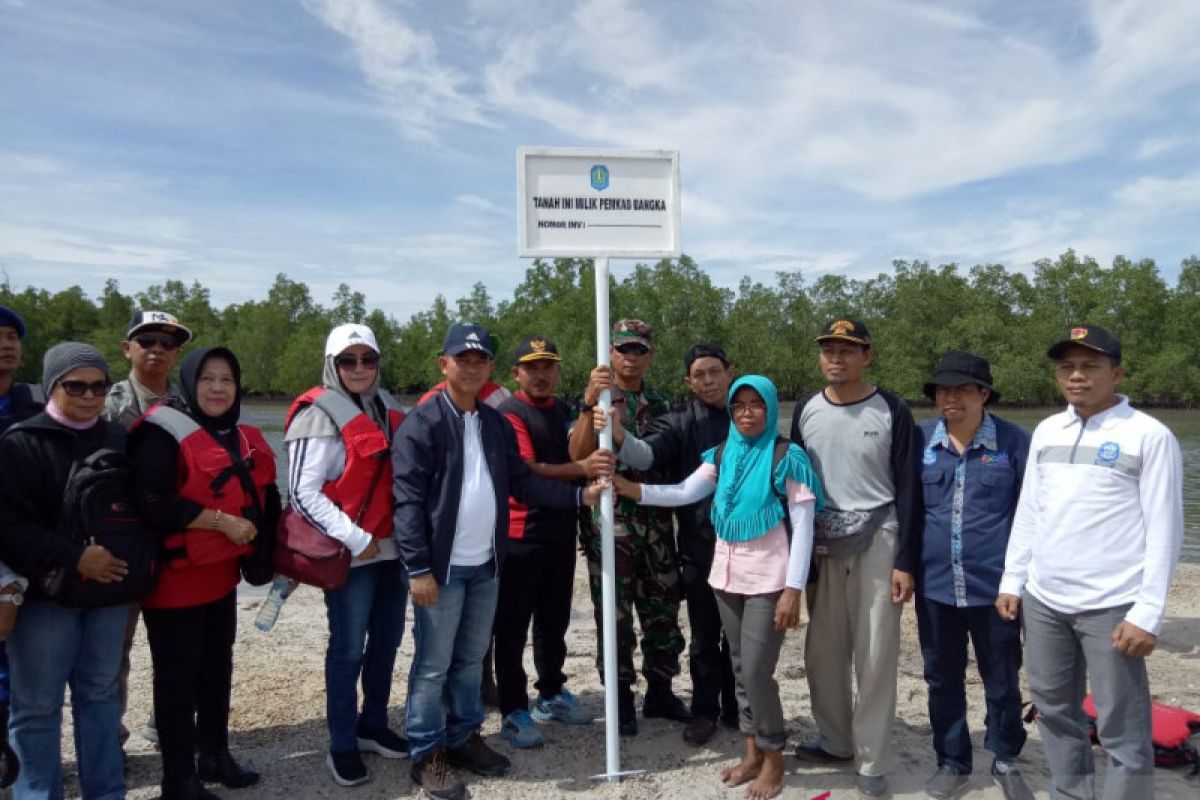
(648, 580)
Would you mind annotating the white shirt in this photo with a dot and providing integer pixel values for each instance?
(1100, 519)
(475, 530)
(312, 462)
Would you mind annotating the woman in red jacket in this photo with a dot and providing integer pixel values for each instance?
(207, 484)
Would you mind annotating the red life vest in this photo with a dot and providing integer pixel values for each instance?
(367, 452)
(201, 565)
(1170, 729)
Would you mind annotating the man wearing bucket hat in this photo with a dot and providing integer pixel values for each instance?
(1094, 545)
(972, 466)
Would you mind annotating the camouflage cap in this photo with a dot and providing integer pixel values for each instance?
(631, 331)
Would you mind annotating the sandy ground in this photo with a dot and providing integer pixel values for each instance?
(278, 723)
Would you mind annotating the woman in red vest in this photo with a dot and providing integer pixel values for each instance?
(207, 484)
(338, 438)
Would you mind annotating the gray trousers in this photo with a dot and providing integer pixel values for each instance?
(754, 644)
(1062, 651)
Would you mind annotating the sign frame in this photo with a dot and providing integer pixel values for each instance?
(524, 202)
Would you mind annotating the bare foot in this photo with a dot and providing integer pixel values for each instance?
(769, 782)
(748, 769)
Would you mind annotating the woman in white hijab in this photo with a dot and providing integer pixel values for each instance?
(338, 437)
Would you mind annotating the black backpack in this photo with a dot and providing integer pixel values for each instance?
(98, 509)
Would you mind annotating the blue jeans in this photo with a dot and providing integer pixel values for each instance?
(450, 637)
(366, 623)
(943, 630)
(51, 647)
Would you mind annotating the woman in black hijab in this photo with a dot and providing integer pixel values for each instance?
(207, 485)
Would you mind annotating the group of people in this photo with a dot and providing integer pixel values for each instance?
(473, 504)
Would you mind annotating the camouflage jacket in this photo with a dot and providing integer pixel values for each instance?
(123, 406)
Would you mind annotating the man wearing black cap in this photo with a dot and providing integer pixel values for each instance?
(973, 465)
(455, 463)
(539, 569)
(863, 443)
(1094, 545)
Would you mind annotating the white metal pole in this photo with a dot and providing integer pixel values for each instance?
(608, 558)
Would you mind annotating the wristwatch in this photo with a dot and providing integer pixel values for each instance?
(13, 597)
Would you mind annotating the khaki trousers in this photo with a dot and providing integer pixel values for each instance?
(855, 624)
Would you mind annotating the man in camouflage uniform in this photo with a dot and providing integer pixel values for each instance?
(151, 346)
(647, 564)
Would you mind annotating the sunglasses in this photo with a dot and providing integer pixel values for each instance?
(368, 360)
(80, 388)
(148, 340)
(633, 349)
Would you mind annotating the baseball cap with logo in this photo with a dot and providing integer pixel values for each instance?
(631, 331)
(1091, 337)
(158, 322)
(464, 336)
(846, 330)
(536, 348)
(348, 335)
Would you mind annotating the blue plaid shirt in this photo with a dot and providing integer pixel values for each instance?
(970, 499)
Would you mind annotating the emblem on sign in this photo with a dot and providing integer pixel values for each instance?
(599, 177)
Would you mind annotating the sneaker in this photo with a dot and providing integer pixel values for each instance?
(149, 731)
(871, 785)
(382, 742)
(347, 768)
(813, 753)
(433, 773)
(474, 755)
(519, 729)
(946, 783)
(1008, 777)
(563, 707)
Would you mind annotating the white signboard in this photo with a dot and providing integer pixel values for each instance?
(575, 203)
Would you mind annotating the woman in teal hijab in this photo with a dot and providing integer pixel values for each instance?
(766, 497)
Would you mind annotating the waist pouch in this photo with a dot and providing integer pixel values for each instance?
(839, 534)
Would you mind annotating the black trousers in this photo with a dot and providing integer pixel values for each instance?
(192, 651)
(536, 584)
(713, 688)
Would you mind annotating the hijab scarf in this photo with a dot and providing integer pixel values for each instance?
(746, 505)
(189, 377)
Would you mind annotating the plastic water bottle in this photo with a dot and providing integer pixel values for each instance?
(268, 615)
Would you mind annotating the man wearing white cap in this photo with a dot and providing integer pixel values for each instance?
(151, 346)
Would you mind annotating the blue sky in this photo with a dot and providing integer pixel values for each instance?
(373, 142)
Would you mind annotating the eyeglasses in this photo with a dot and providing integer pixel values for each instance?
(80, 388)
(633, 349)
(754, 407)
(368, 360)
(148, 340)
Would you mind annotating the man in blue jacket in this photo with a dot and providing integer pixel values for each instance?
(973, 464)
(456, 462)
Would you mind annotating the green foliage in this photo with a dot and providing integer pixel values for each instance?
(915, 311)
